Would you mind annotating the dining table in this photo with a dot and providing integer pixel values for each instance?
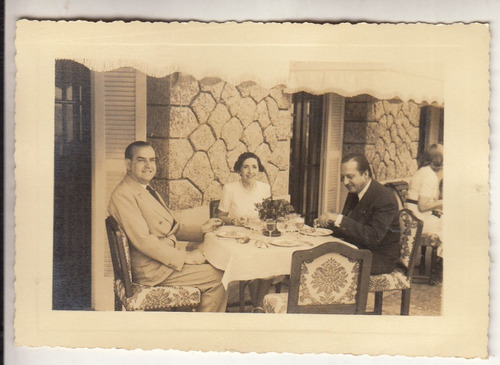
(246, 254)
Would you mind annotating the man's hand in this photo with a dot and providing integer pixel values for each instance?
(328, 218)
(174, 229)
(195, 257)
(211, 225)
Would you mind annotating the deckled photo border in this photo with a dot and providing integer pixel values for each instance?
(460, 331)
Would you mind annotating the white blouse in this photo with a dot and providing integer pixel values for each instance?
(239, 202)
(425, 183)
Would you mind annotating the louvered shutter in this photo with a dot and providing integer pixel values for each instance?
(119, 111)
(433, 125)
(332, 145)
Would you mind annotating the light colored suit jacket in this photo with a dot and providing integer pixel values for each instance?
(154, 250)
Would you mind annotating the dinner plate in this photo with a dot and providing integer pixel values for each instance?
(231, 234)
(317, 232)
(285, 243)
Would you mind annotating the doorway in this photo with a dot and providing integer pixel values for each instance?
(71, 285)
(305, 154)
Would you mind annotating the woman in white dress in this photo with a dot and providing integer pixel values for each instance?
(239, 197)
(238, 204)
(423, 197)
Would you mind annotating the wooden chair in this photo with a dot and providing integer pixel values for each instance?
(433, 241)
(400, 189)
(330, 278)
(400, 278)
(135, 296)
(213, 206)
(430, 240)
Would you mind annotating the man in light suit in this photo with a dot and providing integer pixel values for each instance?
(157, 257)
(369, 219)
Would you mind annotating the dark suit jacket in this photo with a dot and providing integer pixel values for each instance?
(373, 225)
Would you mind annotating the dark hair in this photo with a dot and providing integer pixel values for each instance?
(433, 156)
(243, 157)
(363, 164)
(129, 151)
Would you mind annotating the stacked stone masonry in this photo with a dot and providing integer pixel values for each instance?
(200, 127)
(386, 131)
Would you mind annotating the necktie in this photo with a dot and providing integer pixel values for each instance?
(354, 202)
(154, 194)
(157, 197)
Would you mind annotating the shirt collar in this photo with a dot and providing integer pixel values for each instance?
(362, 192)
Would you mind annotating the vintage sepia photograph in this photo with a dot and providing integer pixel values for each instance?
(269, 168)
(190, 178)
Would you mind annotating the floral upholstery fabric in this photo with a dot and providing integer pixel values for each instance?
(430, 239)
(396, 280)
(153, 297)
(275, 303)
(328, 279)
(157, 297)
(409, 228)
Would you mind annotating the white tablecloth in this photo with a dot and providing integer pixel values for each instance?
(245, 261)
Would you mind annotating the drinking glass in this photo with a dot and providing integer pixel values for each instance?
(270, 226)
(254, 224)
(263, 226)
(299, 223)
(281, 225)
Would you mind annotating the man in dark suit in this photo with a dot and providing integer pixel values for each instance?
(369, 219)
(158, 255)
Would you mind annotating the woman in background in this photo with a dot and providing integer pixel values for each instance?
(424, 198)
(238, 204)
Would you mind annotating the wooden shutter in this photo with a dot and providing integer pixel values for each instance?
(119, 118)
(332, 147)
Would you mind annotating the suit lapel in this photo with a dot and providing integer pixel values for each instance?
(159, 207)
(143, 194)
(348, 204)
(365, 200)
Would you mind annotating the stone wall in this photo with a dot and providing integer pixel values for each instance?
(200, 127)
(387, 132)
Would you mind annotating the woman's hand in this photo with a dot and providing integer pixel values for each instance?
(211, 225)
(239, 221)
(425, 204)
(224, 218)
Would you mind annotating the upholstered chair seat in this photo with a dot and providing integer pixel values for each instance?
(275, 303)
(396, 280)
(400, 277)
(137, 297)
(157, 298)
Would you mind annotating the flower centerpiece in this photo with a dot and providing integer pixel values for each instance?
(274, 209)
(270, 210)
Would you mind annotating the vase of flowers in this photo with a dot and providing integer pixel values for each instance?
(273, 209)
